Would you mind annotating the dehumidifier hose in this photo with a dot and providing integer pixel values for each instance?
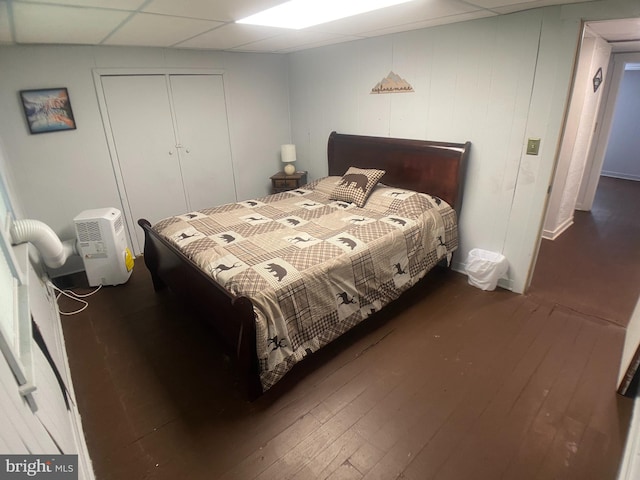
(53, 251)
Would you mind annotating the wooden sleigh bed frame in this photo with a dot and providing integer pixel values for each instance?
(436, 168)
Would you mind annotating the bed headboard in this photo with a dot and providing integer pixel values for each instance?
(436, 168)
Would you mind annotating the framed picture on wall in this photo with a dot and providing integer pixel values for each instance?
(48, 110)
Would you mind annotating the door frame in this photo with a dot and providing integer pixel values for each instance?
(98, 73)
(583, 109)
(595, 160)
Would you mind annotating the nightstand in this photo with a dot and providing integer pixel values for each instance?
(281, 182)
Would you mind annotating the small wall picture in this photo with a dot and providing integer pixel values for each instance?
(597, 80)
(392, 83)
(48, 110)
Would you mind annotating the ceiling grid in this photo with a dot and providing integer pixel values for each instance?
(206, 24)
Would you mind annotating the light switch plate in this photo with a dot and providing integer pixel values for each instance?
(533, 146)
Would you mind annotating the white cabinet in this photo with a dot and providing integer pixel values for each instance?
(170, 144)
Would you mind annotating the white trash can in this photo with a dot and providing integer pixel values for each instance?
(485, 268)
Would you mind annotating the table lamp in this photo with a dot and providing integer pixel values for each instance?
(288, 155)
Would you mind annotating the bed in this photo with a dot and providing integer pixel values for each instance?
(281, 276)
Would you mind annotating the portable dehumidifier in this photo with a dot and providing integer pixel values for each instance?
(101, 242)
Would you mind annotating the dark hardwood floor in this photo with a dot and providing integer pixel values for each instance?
(450, 383)
(594, 266)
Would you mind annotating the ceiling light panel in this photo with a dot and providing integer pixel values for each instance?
(399, 16)
(299, 14)
(224, 11)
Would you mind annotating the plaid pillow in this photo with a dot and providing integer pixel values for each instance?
(356, 185)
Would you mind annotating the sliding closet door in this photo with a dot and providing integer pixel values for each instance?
(139, 112)
(205, 152)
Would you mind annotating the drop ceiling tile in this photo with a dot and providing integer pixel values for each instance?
(230, 35)
(405, 13)
(627, 46)
(296, 39)
(510, 6)
(201, 24)
(55, 24)
(496, 3)
(430, 23)
(221, 10)
(130, 5)
(624, 29)
(5, 27)
(321, 43)
(151, 30)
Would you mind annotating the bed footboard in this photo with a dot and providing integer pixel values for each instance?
(231, 317)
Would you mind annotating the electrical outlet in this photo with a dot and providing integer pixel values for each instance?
(533, 146)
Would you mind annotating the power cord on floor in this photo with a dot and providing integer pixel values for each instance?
(78, 297)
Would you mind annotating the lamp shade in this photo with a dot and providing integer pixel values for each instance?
(288, 153)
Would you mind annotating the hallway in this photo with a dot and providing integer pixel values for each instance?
(594, 266)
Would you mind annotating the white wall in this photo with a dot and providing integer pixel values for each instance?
(622, 158)
(473, 81)
(57, 175)
(51, 428)
(495, 82)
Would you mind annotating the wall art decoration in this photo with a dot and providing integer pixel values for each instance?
(48, 110)
(392, 83)
(597, 80)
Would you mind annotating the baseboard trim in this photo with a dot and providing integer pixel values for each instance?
(553, 234)
(621, 176)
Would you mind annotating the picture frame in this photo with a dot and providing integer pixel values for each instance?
(47, 110)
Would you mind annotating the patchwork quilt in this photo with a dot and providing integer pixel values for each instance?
(314, 267)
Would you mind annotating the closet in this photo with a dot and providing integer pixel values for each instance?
(169, 141)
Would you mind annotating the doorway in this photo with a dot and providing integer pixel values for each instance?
(592, 262)
(594, 266)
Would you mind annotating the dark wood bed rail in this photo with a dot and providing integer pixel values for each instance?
(232, 317)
